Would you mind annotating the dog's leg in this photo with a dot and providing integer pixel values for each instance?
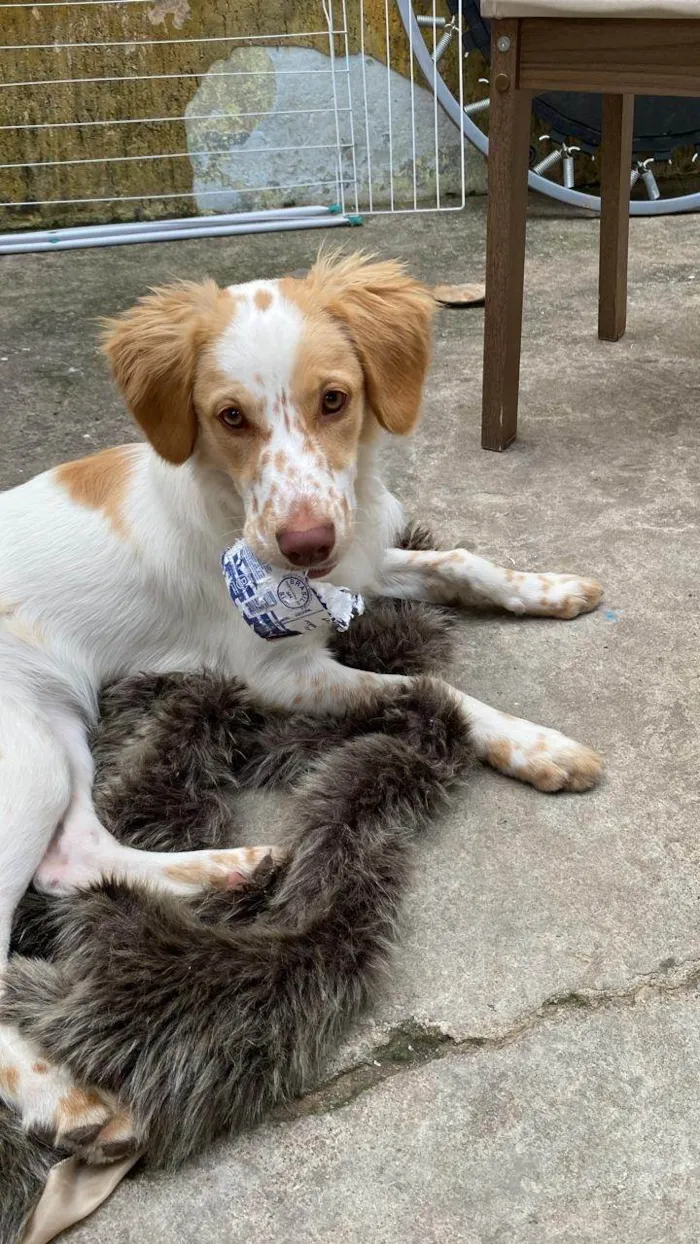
(35, 790)
(543, 757)
(458, 577)
(84, 853)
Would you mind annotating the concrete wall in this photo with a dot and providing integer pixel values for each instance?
(241, 143)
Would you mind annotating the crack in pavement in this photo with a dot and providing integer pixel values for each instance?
(412, 1044)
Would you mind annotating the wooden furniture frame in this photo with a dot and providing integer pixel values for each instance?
(618, 58)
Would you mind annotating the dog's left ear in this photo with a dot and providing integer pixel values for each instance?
(388, 315)
(153, 349)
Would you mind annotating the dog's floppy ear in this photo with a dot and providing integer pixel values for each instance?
(152, 349)
(388, 315)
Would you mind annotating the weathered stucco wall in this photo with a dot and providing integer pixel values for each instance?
(213, 85)
(150, 92)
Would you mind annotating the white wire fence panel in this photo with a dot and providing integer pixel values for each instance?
(407, 155)
(171, 117)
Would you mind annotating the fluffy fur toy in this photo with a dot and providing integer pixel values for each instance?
(203, 1014)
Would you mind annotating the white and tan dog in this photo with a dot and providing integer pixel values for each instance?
(263, 407)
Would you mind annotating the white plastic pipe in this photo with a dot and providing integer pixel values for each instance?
(158, 226)
(24, 242)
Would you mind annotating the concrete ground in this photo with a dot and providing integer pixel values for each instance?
(552, 943)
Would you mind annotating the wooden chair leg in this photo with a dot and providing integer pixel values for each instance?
(509, 145)
(615, 166)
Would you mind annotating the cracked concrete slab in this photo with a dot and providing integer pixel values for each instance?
(581, 1131)
(585, 1126)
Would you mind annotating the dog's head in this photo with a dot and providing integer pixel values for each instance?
(276, 384)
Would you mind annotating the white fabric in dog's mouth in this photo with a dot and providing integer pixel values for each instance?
(281, 603)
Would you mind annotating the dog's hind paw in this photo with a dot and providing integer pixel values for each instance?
(113, 1140)
(195, 871)
(89, 1123)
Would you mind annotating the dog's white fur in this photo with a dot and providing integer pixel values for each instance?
(111, 566)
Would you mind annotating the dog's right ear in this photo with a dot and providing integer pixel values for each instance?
(152, 349)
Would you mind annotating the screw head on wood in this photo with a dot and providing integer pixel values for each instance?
(503, 43)
(501, 82)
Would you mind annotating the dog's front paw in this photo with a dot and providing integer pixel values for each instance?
(549, 595)
(566, 595)
(562, 764)
(544, 758)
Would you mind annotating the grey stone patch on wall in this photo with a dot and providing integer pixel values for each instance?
(271, 127)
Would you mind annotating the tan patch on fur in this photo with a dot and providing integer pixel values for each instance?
(281, 462)
(325, 359)
(75, 1106)
(566, 609)
(118, 1128)
(9, 1079)
(210, 870)
(262, 299)
(267, 512)
(100, 482)
(586, 770)
(191, 873)
(154, 350)
(40, 1068)
(388, 316)
(592, 592)
(238, 453)
(243, 859)
(247, 856)
(544, 775)
(499, 755)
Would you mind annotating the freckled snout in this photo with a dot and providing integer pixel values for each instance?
(307, 546)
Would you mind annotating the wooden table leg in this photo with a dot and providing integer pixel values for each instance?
(509, 145)
(615, 168)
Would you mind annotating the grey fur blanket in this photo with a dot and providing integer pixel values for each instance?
(203, 1014)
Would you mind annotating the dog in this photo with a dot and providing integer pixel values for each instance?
(263, 407)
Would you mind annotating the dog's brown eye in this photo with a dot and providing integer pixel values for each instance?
(333, 401)
(232, 418)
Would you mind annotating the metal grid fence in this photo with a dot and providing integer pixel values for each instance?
(110, 133)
